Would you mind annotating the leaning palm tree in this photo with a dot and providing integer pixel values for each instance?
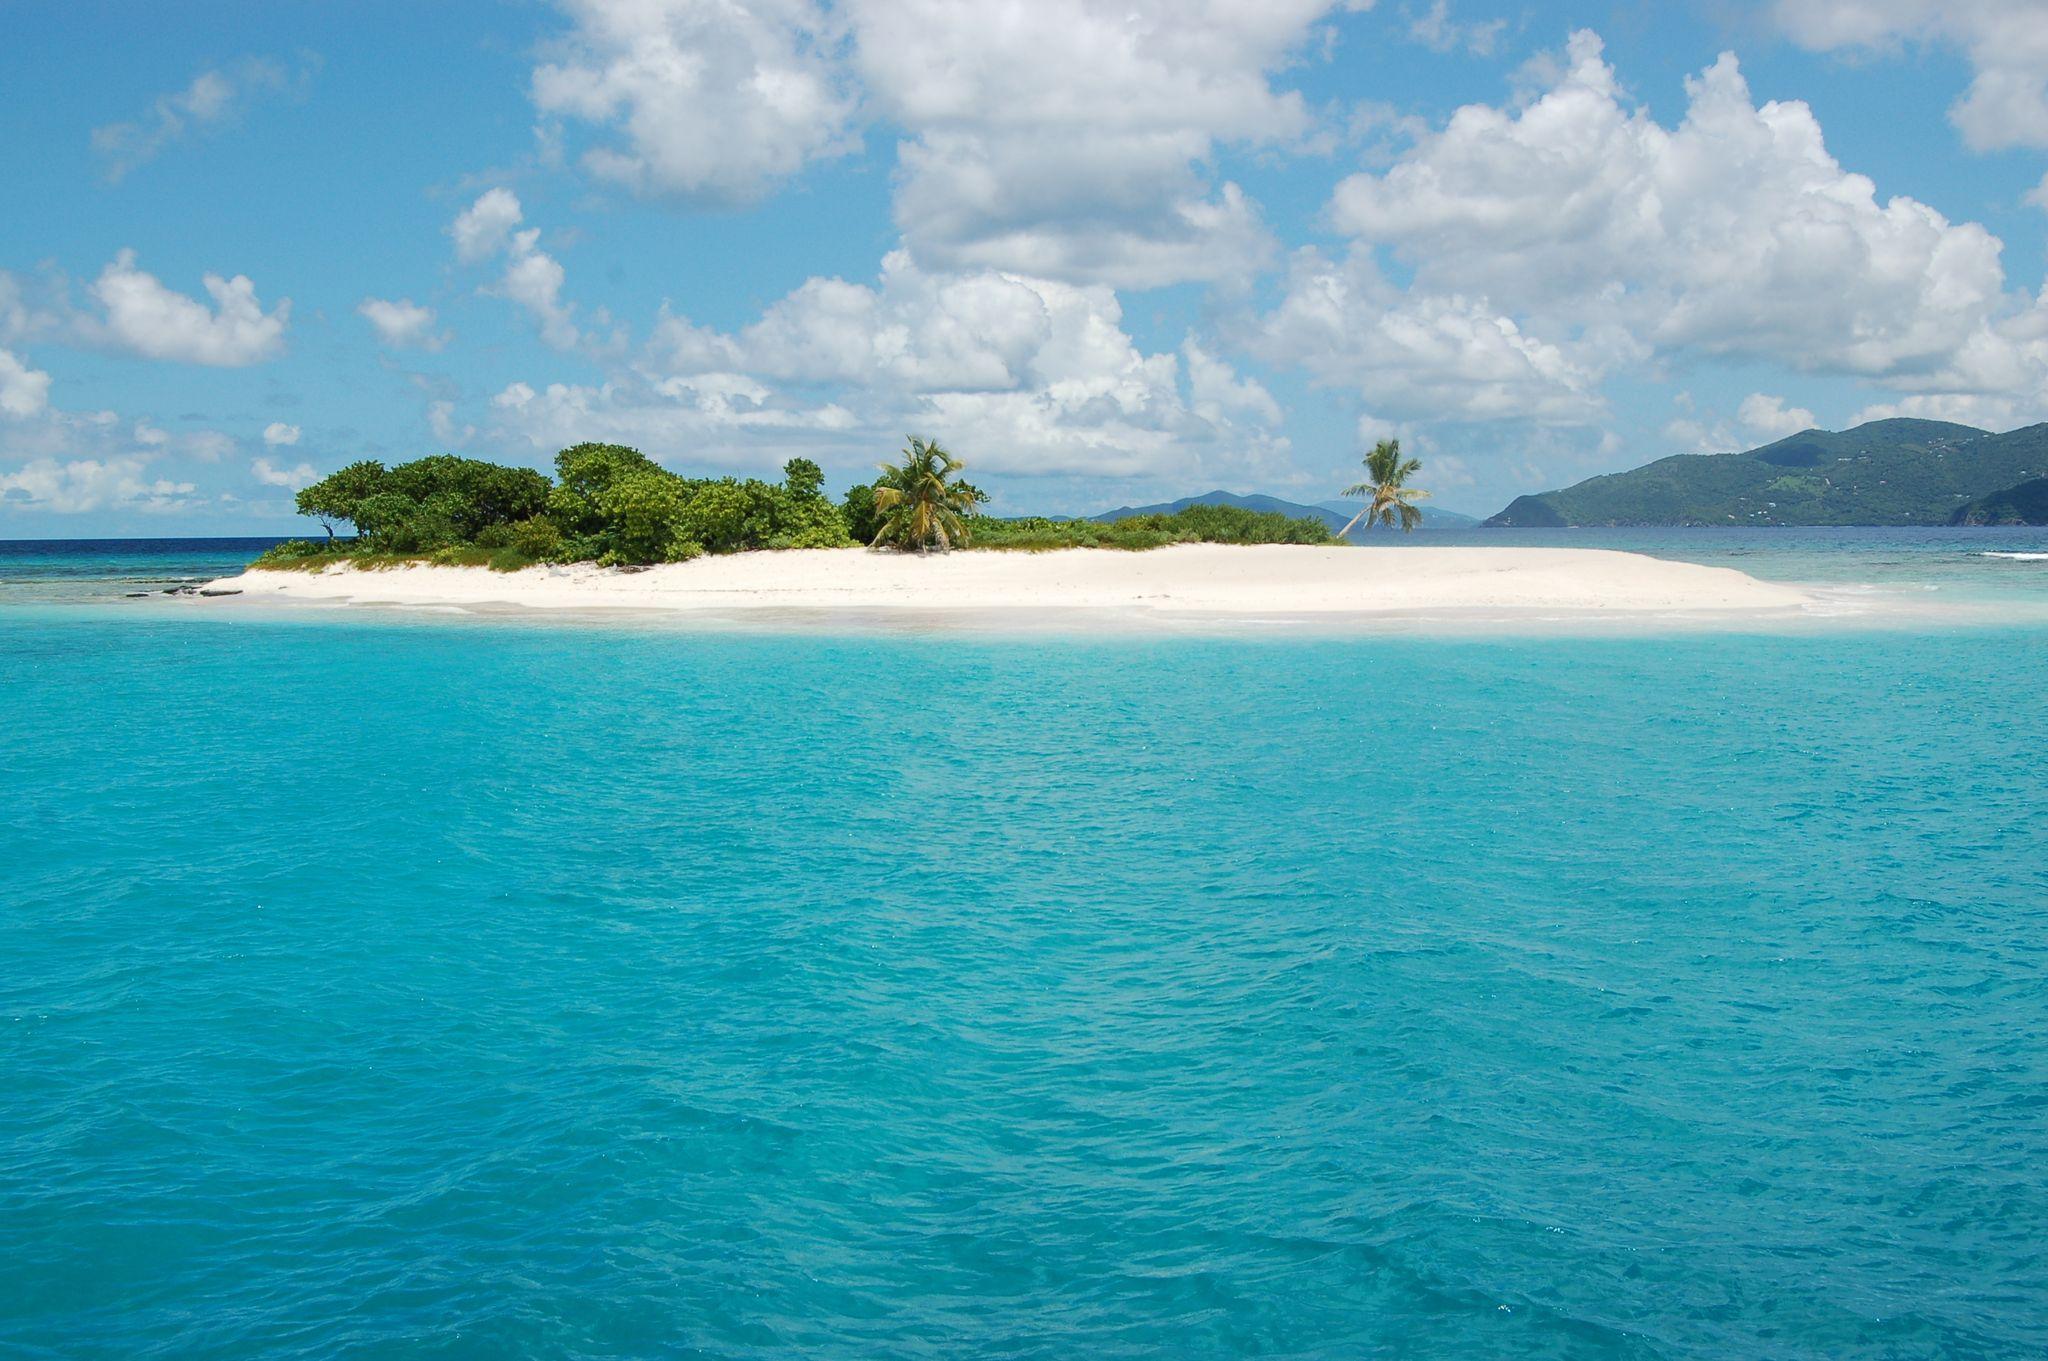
(921, 505)
(1387, 500)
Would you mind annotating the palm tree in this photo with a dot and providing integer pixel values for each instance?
(1387, 500)
(921, 505)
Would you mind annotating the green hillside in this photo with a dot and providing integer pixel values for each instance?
(1896, 472)
(2026, 504)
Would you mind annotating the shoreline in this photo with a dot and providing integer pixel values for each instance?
(1186, 584)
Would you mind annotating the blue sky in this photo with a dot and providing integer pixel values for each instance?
(1108, 252)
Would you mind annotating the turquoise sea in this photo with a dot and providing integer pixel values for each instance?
(379, 985)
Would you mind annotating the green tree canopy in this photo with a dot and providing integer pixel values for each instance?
(335, 498)
(919, 504)
(1388, 498)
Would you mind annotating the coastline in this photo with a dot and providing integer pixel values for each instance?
(1183, 582)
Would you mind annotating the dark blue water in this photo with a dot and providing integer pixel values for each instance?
(100, 569)
(476, 988)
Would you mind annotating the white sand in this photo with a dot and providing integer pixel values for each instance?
(1187, 580)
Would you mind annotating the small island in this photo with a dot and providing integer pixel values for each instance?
(615, 530)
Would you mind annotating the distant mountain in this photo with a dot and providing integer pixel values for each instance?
(1896, 472)
(2026, 504)
(1336, 514)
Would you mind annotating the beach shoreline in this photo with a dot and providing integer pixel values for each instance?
(1186, 584)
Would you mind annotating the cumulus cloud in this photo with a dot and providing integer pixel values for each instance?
(1735, 233)
(402, 323)
(64, 461)
(482, 229)
(85, 484)
(707, 100)
(1770, 418)
(149, 319)
(278, 433)
(1563, 239)
(214, 99)
(1418, 355)
(1029, 377)
(1065, 139)
(2005, 42)
(532, 277)
(24, 391)
(270, 475)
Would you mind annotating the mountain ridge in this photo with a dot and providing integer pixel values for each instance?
(1900, 471)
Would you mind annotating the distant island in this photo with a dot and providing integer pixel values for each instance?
(1891, 472)
(615, 529)
(613, 506)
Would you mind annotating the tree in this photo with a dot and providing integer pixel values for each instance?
(919, 504)
(1387, 499)
(584, 472)
(802, 478)
(340, 494)
(859, 509)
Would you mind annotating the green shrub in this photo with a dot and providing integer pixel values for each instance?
(1196, 524)
(641, 511)
(539, 539)
(863, 521)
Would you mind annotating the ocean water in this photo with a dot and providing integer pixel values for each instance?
(380, 986)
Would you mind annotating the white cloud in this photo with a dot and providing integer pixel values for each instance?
(532, 277)
(1425, 356)
(2005, 41)
(23, 391)
(482, 229)
(1025, 377)
(1435, 29)
(145, 317)
(91, 484)
(1567, 237)
(1067, 139)
(278, 433)
(270, 475)
(401, 323)
(1770, 418)
(212, 101)
(711, 100)
(1735, 233)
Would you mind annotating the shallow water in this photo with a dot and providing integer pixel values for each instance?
(473, 988)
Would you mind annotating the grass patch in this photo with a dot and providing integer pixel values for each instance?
(301, 555)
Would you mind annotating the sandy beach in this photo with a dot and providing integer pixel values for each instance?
(1181, 581)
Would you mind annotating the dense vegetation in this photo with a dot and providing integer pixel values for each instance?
(1195, 524)
(2026, 504)
(607, 504)
(1896, 472)
(614, 506)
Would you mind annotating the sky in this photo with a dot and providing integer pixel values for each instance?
(1106, 251)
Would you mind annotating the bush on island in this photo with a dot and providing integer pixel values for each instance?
(611, 504)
